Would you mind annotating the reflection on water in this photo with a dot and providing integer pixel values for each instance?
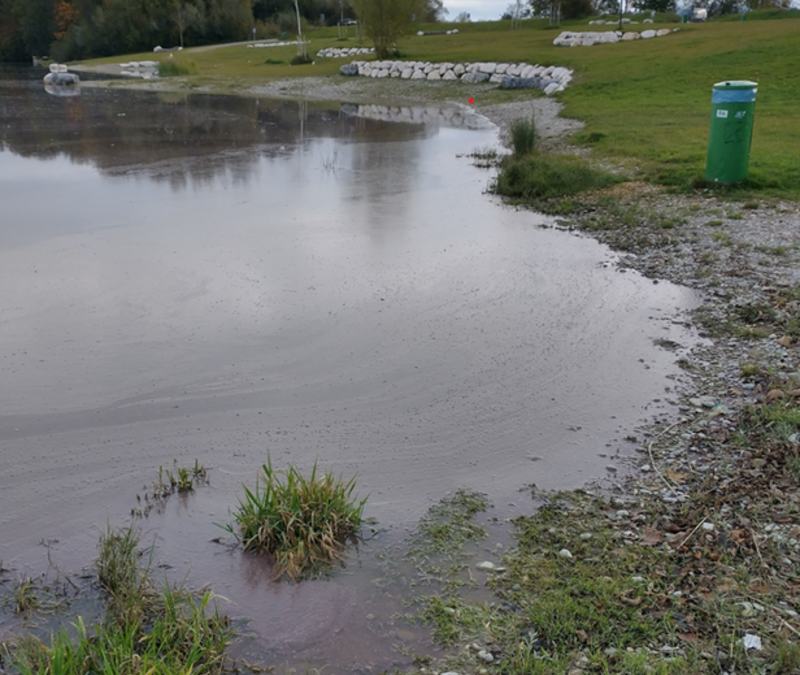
(214, 278)
(171, 136)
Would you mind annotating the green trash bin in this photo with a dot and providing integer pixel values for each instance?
(733, 104)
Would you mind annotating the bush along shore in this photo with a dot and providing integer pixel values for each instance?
(690, 563)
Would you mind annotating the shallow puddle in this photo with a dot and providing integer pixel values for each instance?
(216, 278)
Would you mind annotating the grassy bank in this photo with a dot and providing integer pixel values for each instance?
(646, 103)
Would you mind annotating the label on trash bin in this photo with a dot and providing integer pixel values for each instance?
(722, 113)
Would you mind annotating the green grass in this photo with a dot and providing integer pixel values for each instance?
(304, 523)
(538, 177)
(172, 68)
(146, 630)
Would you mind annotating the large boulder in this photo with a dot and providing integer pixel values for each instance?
(348, 70)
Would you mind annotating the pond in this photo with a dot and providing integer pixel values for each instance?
(193, 277)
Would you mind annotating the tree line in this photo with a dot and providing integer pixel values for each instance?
(76, 29)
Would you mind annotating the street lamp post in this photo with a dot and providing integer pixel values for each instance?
(301, 45)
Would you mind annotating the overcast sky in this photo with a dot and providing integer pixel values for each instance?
(479, 10)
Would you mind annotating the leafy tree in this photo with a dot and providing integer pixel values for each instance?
(660, 6)
(37, 25)
(576, 9)
(386, 20)
(12, 47)
(433, 11)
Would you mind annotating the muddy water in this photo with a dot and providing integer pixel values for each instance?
(190, 277)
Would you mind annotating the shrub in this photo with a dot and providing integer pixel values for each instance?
(302, 522)
(301, 59)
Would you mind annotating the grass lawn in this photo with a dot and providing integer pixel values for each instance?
(646, 103)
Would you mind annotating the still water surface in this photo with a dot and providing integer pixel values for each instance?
(216, 278)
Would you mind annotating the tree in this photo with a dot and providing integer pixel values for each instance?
(462, 17)
(37, 24)
(434, 11)
(386, 20)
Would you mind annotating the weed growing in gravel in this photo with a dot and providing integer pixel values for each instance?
(302, 522)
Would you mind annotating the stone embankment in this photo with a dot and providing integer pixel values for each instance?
(589, 38)
(343, 52)
(550, 79)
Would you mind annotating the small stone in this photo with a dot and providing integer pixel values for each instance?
(586, 535)
(485, 566)
(637, 579)
(564, 553)
(752, 641)
(485, 656)
(610, 651)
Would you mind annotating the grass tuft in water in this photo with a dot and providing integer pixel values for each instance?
(145, 631)
(302, 522)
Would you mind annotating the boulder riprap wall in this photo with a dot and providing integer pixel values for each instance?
(342, 52)
(550, 79)
(589, 38)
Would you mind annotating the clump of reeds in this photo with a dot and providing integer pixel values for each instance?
(302, 522)
(523, 136)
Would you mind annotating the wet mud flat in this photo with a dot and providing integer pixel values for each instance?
(215, 280)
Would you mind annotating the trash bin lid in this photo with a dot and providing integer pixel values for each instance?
(734, 91)
(736, 84)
